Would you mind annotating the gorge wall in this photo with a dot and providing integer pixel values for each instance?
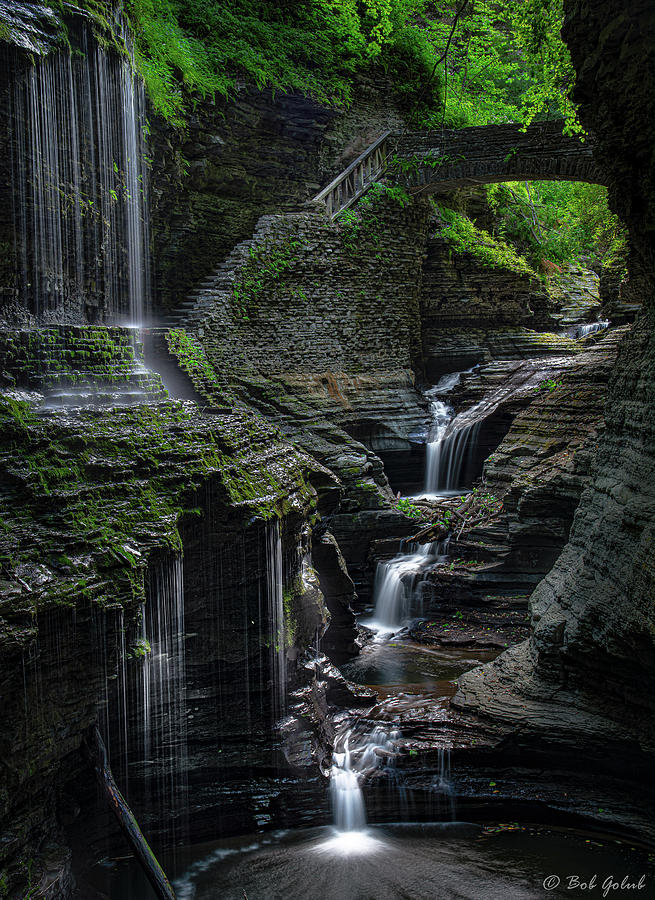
(585, 668)
(326, 330)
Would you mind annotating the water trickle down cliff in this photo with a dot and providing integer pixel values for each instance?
(80, 186)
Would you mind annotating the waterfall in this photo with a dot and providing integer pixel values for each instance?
(582, 331)
(349, 768)
(163, 696)
(143, 719)
(80, 183)
(450, 444)
(275, 605)
(452, 439)
(395, 587)
(448, 457)
(345, 792)
(442, 787)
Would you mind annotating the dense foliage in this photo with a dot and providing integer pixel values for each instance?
(451, 62)
(464, 237)
(458, 61)
(202, 46)
(557, 221)
(506, 63)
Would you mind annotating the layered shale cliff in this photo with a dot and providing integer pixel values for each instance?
(583, 677)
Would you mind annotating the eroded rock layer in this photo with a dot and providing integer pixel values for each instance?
(585, 676)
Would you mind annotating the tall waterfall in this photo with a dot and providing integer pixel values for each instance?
(163, 685)
(275, 603)
(143, 720)
(81, 186)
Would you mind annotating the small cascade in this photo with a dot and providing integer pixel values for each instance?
(396, 581)
(81, 185)
(361, 755)
(450, 445)
(443, 791)
(449, 456)
(346, 794)
(163, 696)
(275, 604)
(582, 331)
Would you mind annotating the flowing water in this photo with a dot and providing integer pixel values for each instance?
(582, 331)
(275, 601)
(163, 697)
(361, 754)
(143, 719)
(449, 447)
(443, 861)
(397, 586)
(81, 185)
(401, 666)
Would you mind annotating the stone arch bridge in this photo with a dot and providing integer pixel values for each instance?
(446, 159)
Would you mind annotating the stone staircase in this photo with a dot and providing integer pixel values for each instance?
(219, 286)
(335, 198)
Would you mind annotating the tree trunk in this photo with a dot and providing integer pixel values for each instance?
(97, 754)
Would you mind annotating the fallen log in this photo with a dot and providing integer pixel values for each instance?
(97, 754)
(431, 532)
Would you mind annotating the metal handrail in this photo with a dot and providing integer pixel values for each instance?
(356, 179)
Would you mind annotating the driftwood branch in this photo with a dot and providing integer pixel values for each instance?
(97, 754)
(456, 516)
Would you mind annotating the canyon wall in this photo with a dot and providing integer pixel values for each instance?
(586, 675)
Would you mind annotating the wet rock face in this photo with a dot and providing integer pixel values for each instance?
(542, 465)
(339, 593)
(89, 496)
(594, 614)
(457, 290)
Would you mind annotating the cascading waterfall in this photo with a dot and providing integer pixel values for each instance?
(81, 186)
(395, 588)
(449, 456)
(346, 794)
(449, 446)
(350, 767)
(583, 331)
(275, 602)
(396, 581)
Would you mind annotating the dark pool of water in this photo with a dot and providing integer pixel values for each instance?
(398, 664)
(415, 862)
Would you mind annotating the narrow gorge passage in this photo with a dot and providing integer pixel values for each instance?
(326, 449)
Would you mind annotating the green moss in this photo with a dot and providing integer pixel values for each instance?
(290, 623)
(363, 227)
(263, 272)
(191, 356)
(464, 237)
(110, 485)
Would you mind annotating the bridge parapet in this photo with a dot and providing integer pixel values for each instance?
(444, 160)
(447, 159)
